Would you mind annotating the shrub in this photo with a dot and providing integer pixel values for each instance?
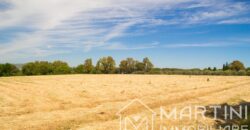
(248, 72)
(228, 72)
(241, 72)
(139, 72)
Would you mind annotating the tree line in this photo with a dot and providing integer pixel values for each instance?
(107, 65)
(234, 68)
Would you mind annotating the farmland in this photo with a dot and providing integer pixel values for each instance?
(90, 102)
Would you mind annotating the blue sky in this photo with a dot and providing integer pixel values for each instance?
(172, 33)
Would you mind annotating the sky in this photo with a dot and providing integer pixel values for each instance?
(172, 33)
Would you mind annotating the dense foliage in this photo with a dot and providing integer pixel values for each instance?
(45, 68)
(107, 65)
(8, 70)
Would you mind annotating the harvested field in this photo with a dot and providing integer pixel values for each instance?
(90, 102)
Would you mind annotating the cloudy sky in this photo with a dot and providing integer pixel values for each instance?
(173, 33)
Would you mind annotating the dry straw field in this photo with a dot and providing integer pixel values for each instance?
(90, 102)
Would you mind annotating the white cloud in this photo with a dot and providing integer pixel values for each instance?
(57, 25)
(219, 11)
(225, 43)
(120, 46)
(28, 43)
(185, 45)
(235, 21)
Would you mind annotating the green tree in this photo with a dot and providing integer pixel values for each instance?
(44, 67)
(1, 69)
(88, 66)
(123, 66)
(105, 65)
(29, 69)
(248, 72)
(225, 67)
(139, 66)
(37, 68)
(128, 66)
(8, 69)
(237, 65)
(79, 69)
(147, 64)
(60, 67)
(214, 69)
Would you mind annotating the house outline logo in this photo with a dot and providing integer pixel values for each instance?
(125, 120)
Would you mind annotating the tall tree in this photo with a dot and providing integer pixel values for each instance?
(123, 66)
(88, 66)
(8, 69)
(237, 65)
(106, 65)
(147, 64)
(248, 71)
(79, 69)
(128, 65)
(37, 68)
(44, 67)
(29, 69)
(225, 67)
(139, 66)
(1, 69)
(60, 67)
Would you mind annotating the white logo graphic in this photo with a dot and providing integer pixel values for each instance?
(143, 121)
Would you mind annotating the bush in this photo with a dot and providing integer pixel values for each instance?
(228, 72)
(154, 72)
(139, 72)
(248, 73)
(241, 72)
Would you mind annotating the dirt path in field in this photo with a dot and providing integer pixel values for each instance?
(90, 102)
